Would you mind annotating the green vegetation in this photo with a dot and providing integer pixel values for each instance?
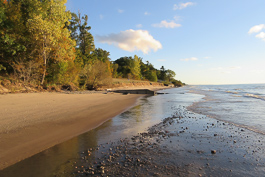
(42, 44)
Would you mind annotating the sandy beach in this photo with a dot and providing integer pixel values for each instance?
(33, 122)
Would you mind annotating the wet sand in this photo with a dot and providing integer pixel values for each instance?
(185, 144)
(32, 122)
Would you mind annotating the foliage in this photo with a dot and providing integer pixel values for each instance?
(96, 75)
(50, 37)
(2, 67)
(135, 67)
(177, 83)
(79, 29)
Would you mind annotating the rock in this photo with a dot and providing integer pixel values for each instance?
(213, 151)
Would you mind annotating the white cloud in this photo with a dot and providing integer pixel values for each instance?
(226, 70)
(261, 35)
(147, 13)
(132, 40)
(182, 5)
(161, 60)
(139, 25)
(207, 57)
(177, 18)
(165, 24)
(256, 29)
(189, 59)
(120, 11)
(101, 17)
(234, 67)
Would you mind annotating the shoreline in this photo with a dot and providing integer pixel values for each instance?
(33, 122)
(186, 144)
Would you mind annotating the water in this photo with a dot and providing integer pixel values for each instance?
(242, 105)
(61, 159)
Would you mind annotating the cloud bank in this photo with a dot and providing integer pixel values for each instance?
(165, 24)
(258, 29)
(182, 5)
(132, 40)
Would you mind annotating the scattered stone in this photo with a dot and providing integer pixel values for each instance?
(213, 151)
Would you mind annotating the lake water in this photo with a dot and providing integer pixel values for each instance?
(242, 105)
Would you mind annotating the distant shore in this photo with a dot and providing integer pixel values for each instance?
(32, 122)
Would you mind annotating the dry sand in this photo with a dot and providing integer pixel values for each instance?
(30, 123)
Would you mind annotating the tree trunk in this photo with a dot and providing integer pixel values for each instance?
(45, 63)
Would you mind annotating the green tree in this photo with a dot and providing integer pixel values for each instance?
(101, 55)
(162, 75)
(124, 66)
(177, 83)
(49, 36)
(96, 75)
(135, 67)
(13, 39)
(170, 75)
(79, 29)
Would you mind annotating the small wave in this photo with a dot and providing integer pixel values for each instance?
(231, 92)
(236, 96)
(254, 96)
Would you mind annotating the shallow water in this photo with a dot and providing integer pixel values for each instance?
(61, 159)
(242, 105)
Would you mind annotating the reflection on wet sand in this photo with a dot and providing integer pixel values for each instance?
(62, 159)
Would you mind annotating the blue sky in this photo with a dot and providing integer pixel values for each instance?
(203, 41)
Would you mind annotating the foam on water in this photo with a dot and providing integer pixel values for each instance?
(242, 105)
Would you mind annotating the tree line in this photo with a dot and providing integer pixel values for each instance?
(42, 43)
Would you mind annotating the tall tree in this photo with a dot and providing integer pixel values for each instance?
(135, 67)
(162, 75)
(124, 64)
(170, 75)
(51, 39)
(79, 29)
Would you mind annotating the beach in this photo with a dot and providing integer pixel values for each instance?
(185, 144)
(162, 135)
(33, 122)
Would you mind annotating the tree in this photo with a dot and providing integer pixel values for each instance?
(86, 43)
(79, 29)
(152, 76)
(96, 74)
(101, 55)
(170, 75)
(162, 75)
(177, 83)
(135, 67)
(124, 64)
(49, 35)
(13, 37)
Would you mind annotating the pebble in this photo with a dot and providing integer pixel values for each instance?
(213, 151)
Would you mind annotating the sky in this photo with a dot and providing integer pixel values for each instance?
(202, 41)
